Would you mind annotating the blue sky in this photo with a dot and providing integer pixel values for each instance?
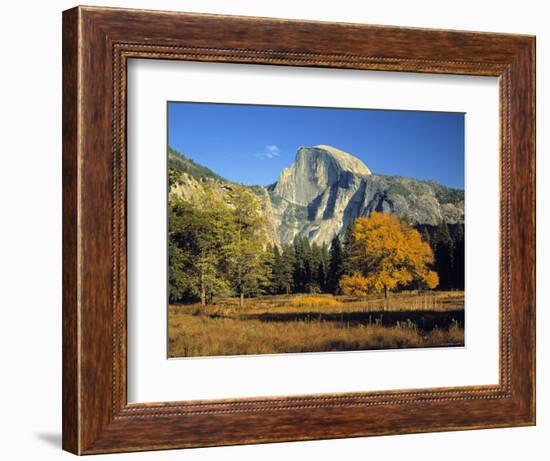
(251, 144)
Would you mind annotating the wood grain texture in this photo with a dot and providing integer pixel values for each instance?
(97, 43)
(70, 383)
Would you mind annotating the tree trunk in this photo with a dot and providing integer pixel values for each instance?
(386, 292)
(203, 292)
(241, 300)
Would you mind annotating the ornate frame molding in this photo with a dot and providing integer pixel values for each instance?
(97, 44)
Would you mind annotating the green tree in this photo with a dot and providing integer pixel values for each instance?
(322, 267)
(180, 286)
(442, 245)
(321, 275)
(458, 258)
(316, 280)
(268, 264)
(282, 270)
(348, 241)
(335, 266)
(245, 254)
(197, 239)
(288, 260)
(276, 271)
(303, 264)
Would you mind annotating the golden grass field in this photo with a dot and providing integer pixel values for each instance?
(320, 323)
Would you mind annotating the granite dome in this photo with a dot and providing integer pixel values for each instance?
(323, 190)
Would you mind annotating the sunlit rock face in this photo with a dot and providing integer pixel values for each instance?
(316, 169)
(325, 188)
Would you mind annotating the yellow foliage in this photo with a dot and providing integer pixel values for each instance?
(313, 301)
(432, 279)
(389, 253)
(354, 285)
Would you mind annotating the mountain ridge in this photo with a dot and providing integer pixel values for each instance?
(321, 191)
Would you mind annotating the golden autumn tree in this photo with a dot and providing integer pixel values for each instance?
(354, 285)
(386, 253)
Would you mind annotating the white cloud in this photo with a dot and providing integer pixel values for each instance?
(269, 151)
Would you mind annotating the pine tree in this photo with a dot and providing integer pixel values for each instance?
(317, 271)
(282, 271)
(347, 246)
(287, 270)
(302, 264)
(458, 258)
(321, 276)
(335, 266)
(276, 271)
(442, 244)
(322, 271)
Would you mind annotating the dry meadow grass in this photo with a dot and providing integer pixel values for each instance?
(225, 329)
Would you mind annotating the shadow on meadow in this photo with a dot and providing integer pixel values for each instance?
(321, 323)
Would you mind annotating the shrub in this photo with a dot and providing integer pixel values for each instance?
(313, 301)
(354, 285)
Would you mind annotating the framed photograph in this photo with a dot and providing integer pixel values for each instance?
(282, 230)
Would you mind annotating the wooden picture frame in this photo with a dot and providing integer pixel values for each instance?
(97, 43)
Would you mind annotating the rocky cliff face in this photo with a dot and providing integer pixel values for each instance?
(325, 188)
(315, 170)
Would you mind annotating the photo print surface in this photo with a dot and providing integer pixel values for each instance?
(309, 229)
